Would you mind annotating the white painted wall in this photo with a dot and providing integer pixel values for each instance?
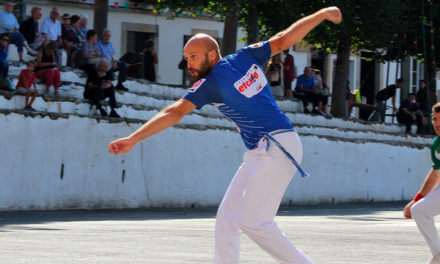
(180, 167)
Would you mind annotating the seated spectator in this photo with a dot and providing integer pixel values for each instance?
(26, 85)
(51, 27)
(9, 24)
(4, 48)
(273, 72)
(319, 85)
(65, 21)
(99, 87)
(91, 52)
(71, 41)
(29, 28)
(421, 99)
(325, 93)
(150, 59)
(306, 91)
(46, 69)
(108, 52)
(83, 28)
(409, 114)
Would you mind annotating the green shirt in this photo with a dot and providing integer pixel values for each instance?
(435, 153)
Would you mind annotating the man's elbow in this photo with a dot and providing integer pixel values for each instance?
(174, 114)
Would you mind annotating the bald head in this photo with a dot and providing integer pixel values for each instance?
(205, 42)
(202, 53)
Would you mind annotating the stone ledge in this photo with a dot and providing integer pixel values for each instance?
(55, 116)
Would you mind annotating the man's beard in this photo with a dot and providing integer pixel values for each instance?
(204, 70)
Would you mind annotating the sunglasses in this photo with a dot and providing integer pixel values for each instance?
(5, 39)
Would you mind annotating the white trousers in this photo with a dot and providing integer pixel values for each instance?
(252, 201)
(423, 213)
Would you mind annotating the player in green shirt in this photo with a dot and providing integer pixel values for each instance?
(426, 203)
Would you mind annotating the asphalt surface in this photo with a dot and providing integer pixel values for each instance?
(352, 234)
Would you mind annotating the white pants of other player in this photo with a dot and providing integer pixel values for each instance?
(423, 213)
(252, 201)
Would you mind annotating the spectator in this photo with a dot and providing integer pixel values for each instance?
(325, 93)
(382, 96)
(108, 52)
(4, 48)
(9, 24)
(409, 114)
(29, 27)
(306, 91)
(91, 51)
(288, 73)
(26, 85)
(51, 27)
(421, 99)
(46, 69)
(99, 87)
(65, 21)
(319, 85)
(273, 72)
(71, 41)
(83, 29)
(150, 59)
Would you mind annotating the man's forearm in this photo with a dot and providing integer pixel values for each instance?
(431, 182)
(297, 31)
(161, 121)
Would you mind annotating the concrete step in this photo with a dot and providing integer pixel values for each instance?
(145, 99)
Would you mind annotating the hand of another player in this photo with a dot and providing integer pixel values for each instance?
(122, 145)
(407, 210)
(333, 14)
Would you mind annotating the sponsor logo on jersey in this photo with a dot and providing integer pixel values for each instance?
(257, 45)
(252, 82)
(196, 85)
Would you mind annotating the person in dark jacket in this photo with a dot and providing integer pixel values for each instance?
(99, 87)
(150, 59)
(29, 27)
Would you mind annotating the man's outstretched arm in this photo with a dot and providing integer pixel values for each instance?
(298, 30)
(161, 121)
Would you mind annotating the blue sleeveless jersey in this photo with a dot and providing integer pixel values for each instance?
(239, 88)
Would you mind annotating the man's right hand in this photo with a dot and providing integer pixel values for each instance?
(122, 145)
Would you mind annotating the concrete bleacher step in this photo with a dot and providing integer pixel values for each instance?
(146, 99)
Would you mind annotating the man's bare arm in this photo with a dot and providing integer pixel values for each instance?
(300, 28)
(161, 121)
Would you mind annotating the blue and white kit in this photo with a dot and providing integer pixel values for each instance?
(238, 86)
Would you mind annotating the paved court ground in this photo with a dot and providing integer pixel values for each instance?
(343, 234)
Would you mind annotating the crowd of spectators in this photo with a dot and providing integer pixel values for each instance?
(95, 54)
(47, 41)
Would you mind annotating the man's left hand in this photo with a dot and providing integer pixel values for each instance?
(407, 210)
(333, 14)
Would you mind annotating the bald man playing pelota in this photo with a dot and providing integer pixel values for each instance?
(236, 84)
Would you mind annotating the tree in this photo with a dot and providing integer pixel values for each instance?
(366, 25)
(100, 15)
